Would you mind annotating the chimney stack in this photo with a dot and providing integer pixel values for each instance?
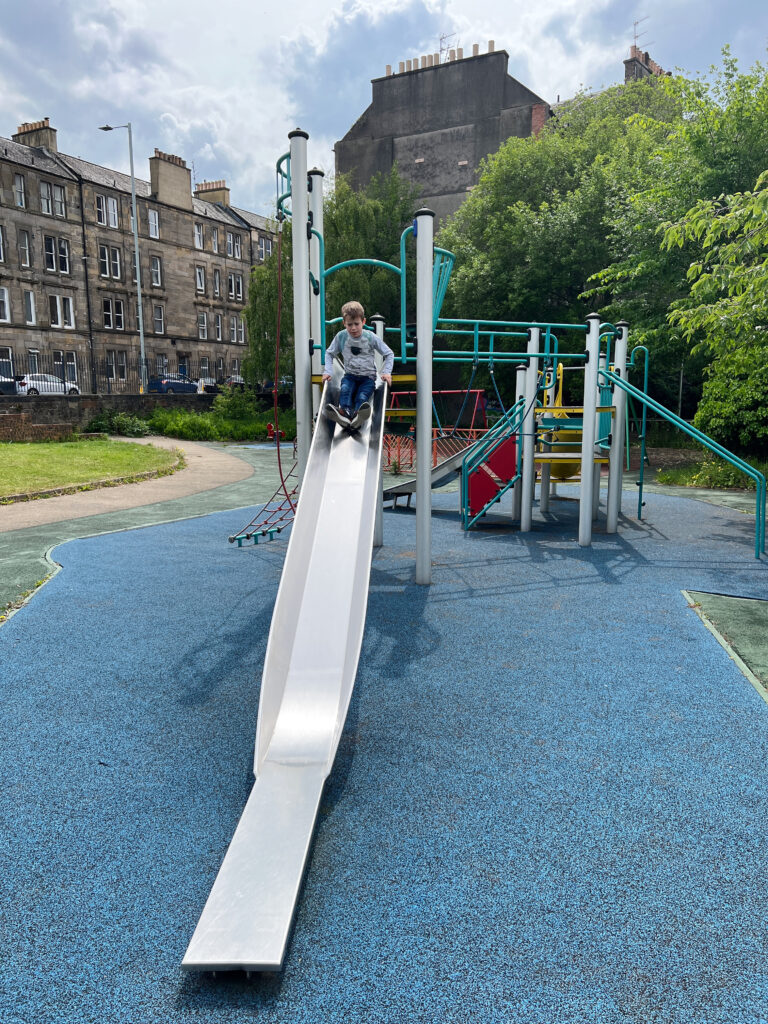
(213, 191)
(36, 134)
(170, 180)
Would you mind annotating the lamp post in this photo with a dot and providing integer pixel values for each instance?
(135, 219)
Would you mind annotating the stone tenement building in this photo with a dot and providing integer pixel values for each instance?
(438, 121)
(67, 275)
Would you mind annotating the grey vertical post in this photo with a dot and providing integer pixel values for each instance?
(546, 469)
(299, 217)
(588, 431)
(424, 225)
(601, 365)
(378, 526)
(529, 430)
(316, 327)
(616, 465)
(517, 490)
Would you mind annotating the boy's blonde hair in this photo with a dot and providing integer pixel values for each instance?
(352, 309)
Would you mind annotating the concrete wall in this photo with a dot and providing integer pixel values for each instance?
(438, 123)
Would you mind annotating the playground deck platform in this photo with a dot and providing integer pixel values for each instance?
(548, 805)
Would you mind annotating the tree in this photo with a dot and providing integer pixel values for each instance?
(365, 224)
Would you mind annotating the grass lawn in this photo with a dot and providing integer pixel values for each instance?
(27, 468)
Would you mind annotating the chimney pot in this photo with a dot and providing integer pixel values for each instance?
(475, 49)
(452, 55)
(491, 45)
(460, 52)
(389, 69)
(407, 65)
(401, 67)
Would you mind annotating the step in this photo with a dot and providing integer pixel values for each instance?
(572, 459)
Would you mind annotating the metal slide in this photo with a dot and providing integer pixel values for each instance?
(442, 473)
(309, 672)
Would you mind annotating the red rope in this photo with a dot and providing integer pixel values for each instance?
(277, 361)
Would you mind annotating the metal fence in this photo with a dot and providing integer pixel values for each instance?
(115, 373)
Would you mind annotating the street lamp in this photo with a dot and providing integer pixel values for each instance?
(135, 219)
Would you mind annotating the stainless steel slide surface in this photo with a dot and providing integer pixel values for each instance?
(309, 673)
(442, 473)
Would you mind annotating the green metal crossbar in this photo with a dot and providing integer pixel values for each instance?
(707, 442)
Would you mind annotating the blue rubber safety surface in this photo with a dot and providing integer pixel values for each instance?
(549, 803)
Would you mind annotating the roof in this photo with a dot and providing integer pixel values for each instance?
(41, 159)
(255, 220)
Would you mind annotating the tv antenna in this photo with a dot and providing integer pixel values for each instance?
(639, 35)
(447, 43)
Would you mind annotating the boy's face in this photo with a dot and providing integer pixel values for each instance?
(354, 325)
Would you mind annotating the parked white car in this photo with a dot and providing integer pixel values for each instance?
(46, 384)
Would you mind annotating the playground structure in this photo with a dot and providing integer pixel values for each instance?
(319, 617)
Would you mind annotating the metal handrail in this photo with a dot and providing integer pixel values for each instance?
(707, 442)
(510, 423)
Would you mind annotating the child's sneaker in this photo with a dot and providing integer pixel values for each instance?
(337, 415)
(364, 412)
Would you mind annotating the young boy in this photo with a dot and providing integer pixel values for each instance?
(357, 347)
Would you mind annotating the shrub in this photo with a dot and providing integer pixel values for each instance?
(713, 472)
(734, 403)
(190, 426)
(122, 423)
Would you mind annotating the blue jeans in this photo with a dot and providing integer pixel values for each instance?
(354, 391)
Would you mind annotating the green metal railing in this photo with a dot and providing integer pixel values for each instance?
(509, 424)
(707, 442)
(283, 174)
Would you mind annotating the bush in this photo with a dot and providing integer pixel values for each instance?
(122, 423)
(734, 403)
(218, 425)
(191, 426)
(713, 472)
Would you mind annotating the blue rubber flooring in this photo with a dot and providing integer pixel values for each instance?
(549, 803)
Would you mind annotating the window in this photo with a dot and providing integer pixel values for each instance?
(112, 212)
(198, 236)
(231, 285)
(20, 191)
(238, 249)
(161, 362)
(101, 209)
(200, 279)
(241, 331)
(220, 367)
(218, 327)
(29, 308)
(56, 254)
(115, 253)
(217, 282)
(215, 239)
(268, 245)
(24, 249)
(2, 247)
(33, 361)
(230, 244)
(156, 271)
(71, 367)
(46, 197)
(158, 314)
(107, 314)
(5, 312)
(63, 248)
(122, 365)
(202, 326)
(154, 223)
(59, 201)
(239, 287)
(262, 248)
(62, 315)
(49, 243)
(58, 364)
(110, 364)
(203, 366)
(235, 366)
(6, 362)
(104, 261)
(119, 317)
(233, 328)
(133, 265)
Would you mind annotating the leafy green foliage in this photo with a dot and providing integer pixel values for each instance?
(734, 405)
(223, 424)
(121, 423)
(713, 473)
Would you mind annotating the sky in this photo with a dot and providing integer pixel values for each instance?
(222, 82)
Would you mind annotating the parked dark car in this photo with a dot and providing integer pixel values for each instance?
(208, 386)
(172, 384)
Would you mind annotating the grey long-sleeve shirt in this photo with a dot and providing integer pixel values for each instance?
(358, 354)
